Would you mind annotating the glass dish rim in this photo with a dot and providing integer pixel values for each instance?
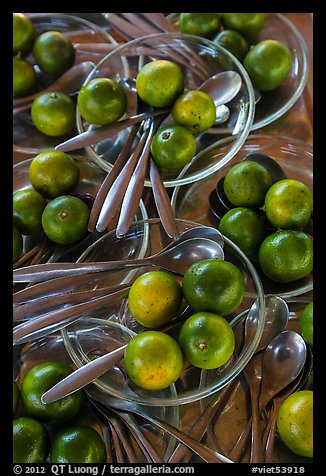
(238, 367)
(240, 139)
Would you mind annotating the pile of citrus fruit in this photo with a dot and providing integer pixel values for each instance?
(160, 84)
(52, 113)
(48, 206)
(50, 432)
(212, 289)
(268, 220)
(267, 62)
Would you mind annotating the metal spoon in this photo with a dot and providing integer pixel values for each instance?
(63, 285)
(298, 383)
(284, 359)
(222, 87)
(92, 136)
(176, 259)
(207, 454)
(276, 319)
(69, 82)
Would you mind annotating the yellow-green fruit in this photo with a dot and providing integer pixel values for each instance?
(295, 422)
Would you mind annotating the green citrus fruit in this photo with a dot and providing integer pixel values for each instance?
(54, 173)
(38, 380)
(77, 444)
(54, 52)
(102, 101)
(159, 83)
(28, 206)
(24, 34)
(286, 256)
(54, 114)
(65, 219)
(24, 77)
(195, 110)
(153, 360)
(207, 340)
(268, 64)
(199, 24)
(306, 323)
(288, 204)
(154, 298)
(245, 228)
(295, 422)
(173, 147)
(246, 184)
(214, 286)
(17, 244)
(248, 24)
(31, 442)
(15, 396)
(232, 41)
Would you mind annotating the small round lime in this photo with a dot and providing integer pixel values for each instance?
(102, 101)
(54, 52)
(288, 204)
(246, 184)
(306, 323)
(40, 379)
(28, 206)
(286, 256)
(24, 77)
(173, 147)
(54, 113)
(24, 34)
(232, 41)
(65, 219)
(77, 444)
(245, 228)
(31, 442)
(54, 173)
(195, 110)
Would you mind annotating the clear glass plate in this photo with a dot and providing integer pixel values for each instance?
(191, 202)
(186, 51)
(188, 387)
(26, 138)
(274, 104)
(91, 178)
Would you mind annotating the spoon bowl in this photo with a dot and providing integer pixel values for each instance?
(222, 87)
(276, 171)
(284, 359)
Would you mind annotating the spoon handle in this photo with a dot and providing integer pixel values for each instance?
(207, 454)
(37, 307)
(83, 376)
(256, 451)
(160, 20)
(135, 186)
(162, 202)
(116, 193)
(139, 436)
(110, 178)
(48, 271)
(270, 439)
(182, 454)
(92, 136)
(54, 320)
